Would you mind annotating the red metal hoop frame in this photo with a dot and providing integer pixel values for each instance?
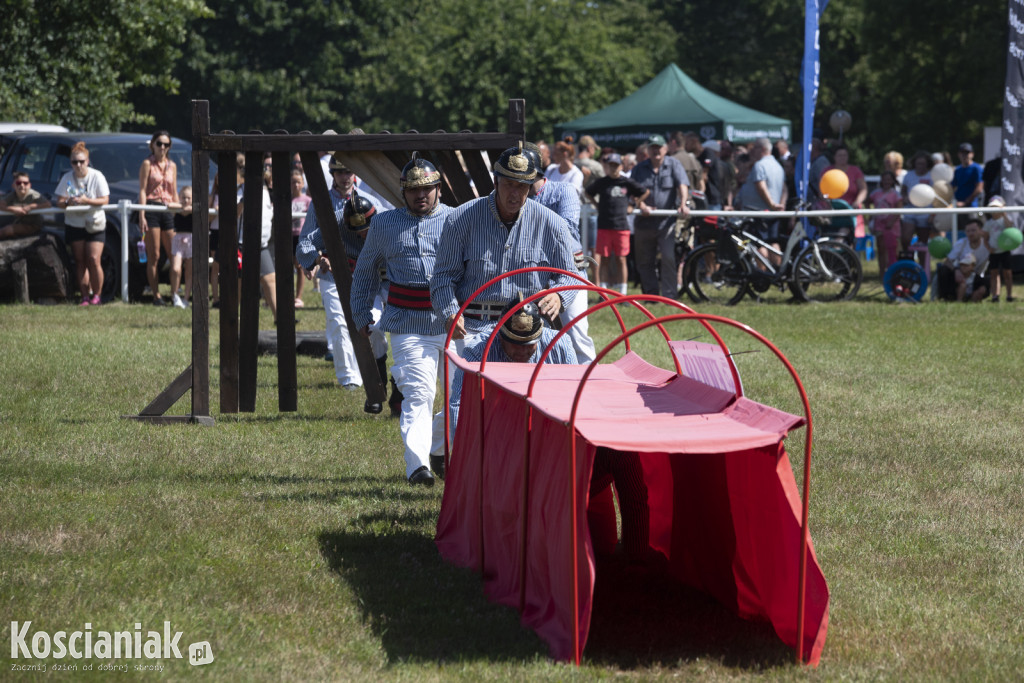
(612, 299)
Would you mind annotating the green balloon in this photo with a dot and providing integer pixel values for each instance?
(1009, 239)
(939, 247)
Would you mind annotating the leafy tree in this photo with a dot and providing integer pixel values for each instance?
(911, 76)
(930, 77)
(73, 61)
(381, 65)
(453, 64)
(271, 64)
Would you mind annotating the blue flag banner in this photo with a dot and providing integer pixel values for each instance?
(1013, 113)
(809, 78)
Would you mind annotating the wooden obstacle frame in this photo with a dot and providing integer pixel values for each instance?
(377, 159)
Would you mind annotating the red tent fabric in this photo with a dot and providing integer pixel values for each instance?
(724, 507)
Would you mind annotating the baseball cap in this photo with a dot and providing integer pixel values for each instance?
(996, 201)
(612, 158)
(966, 147)
(656, 141)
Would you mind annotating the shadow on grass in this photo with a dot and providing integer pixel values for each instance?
(421, 608)
(641, 620)
(424, 609)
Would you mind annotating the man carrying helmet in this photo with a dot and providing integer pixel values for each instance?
(522, 339)
(404, 242)
(497, 234)
(311, 255)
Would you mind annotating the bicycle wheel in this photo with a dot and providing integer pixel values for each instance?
(714, 281)
(811, 282)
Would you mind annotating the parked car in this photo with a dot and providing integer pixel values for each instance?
(11, 131)
(45, 157)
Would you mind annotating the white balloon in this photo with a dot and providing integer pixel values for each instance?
(943, 221)
(942, 172)
(922, 195)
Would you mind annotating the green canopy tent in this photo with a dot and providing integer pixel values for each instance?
(673, 101)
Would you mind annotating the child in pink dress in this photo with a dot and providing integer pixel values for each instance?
(886, 226)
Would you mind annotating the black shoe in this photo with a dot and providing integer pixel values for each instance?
(422, 476)
(437, 465)
(372, 408)
(159, 301)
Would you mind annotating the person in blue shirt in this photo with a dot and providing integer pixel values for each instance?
(655, 236)
(311, 256)
(522, 339)
(501, 232)
(967, 183)
(403, 243)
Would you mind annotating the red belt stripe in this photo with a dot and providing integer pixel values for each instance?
(404, 296)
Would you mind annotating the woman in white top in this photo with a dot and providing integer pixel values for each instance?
(564, 170)
(85, 231)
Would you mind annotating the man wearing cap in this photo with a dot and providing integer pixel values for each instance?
(501, 232)
(310, 253)
(563, 199)
(967, 184)
(666, 180)
(404, 243)
(613, 193)
(522, 339)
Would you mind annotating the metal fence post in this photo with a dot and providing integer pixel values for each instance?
(122, 209)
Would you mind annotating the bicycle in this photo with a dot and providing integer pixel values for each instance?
(734, 263)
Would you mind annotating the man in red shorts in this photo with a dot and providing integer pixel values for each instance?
(613, 193)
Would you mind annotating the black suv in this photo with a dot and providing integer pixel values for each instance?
(118, 156)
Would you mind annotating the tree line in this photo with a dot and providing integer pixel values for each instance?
(912, 76)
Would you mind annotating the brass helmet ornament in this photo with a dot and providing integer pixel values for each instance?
(525, 325)
(515, 165)
(336, 164)
(419, 173)
(358, 212)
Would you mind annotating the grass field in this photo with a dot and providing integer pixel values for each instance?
(292, 543)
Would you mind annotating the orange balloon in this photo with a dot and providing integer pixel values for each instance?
(834, 184)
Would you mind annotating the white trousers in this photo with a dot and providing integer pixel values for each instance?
(417, 360)
(339, 342)
(583, 344)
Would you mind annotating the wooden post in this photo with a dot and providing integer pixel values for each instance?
(227, 257)
(287, 379)
(200, 265)
(249, 287)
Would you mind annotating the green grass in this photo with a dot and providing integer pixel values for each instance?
(293, 544)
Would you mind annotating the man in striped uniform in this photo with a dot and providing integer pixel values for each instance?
(563, 199)
(497, 234)
(522, 339)
(404, 242)
(311, 255)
